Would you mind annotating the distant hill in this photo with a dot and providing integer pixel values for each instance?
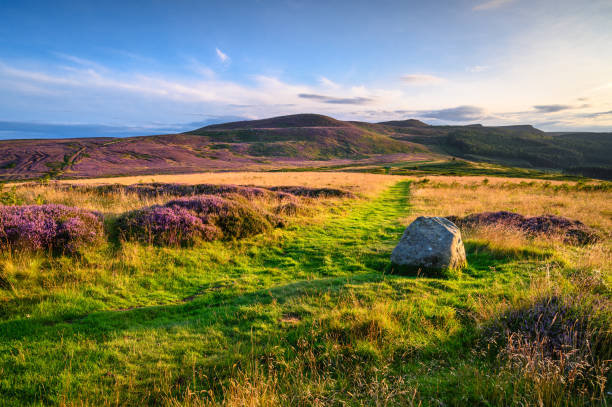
(305, 140)
(405, 123)
(306, 136)
(294, 120)
(588, 154)
(280, 142)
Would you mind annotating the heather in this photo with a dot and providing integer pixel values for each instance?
(307, 314)
(314, 192)
(572, 231)
(556, 341)
(48, 227)
(156, 189)
(202, 217)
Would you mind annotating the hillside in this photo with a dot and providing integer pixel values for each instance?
(306, 141)
(588, 154)
(295, 141)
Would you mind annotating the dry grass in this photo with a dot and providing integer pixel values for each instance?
(443, 196)
(459, 196)
(120, 201)
(366, 184)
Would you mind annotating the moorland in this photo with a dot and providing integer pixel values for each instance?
(294, 303)
(155, 283)
(310, 142)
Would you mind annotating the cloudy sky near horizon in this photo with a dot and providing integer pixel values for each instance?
(150, 66)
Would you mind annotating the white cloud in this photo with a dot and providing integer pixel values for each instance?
(79, 61)
(491, 4)
(222, 56)
(105, 94)
(328, 83)
(199, 68)
(477, 68)
(422, 79)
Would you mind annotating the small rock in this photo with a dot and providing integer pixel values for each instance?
(430, 244)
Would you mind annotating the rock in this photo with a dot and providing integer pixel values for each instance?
(432, 245)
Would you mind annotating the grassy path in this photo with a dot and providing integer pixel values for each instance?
(229, 308)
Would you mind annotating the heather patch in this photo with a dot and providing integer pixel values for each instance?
(155, 189)
(314, 192)
(187, 220)
(162, 225)
(571, 231)
(52, 227)
(556, 339)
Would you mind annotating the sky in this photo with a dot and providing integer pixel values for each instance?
(90, 68)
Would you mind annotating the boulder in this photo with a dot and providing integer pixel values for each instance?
(430, 244)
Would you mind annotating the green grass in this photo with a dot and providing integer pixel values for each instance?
(304, 315)
(447, 167)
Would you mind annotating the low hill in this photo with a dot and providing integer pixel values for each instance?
(304, 140)
(308, 136)
(588, 154)
(294, 120)
(404, 123)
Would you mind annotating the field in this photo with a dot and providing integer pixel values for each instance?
(309, 313)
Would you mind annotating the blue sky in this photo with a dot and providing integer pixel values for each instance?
(141, 67)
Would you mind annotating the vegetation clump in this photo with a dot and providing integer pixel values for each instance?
(156, 189)
(572, 231)
(186, 220)
(556, 341)
(314, 192)
(51, 226)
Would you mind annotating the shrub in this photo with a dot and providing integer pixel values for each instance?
(572, 231)
(166, 226)
(54, 227)
(235, 220)
(314, 192)
(186, 220)
(556, 341)
(157, 189)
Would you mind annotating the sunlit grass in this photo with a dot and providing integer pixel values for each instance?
(305, 315)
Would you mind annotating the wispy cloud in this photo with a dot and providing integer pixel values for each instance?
(117, 97)
(328, 83)
(421, 79)
(477, 68)
(551, 108)
(222, 56)
(80, 61)
(491, 4)
(336, 100)
(597, 114)
(456, 114)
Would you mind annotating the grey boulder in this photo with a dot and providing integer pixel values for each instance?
(430, 244)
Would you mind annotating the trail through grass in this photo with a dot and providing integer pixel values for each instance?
(302, 316)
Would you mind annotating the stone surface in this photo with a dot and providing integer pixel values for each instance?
(430, 244)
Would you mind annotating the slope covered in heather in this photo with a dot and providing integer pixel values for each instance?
(305, 140)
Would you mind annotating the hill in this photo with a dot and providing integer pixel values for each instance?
(405, 123)
(294, 120)
(304, 140)
(588, 154)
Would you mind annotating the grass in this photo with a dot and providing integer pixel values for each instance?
(305, 315)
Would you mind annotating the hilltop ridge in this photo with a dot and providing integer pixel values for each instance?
(305, 141)
(294, 120)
